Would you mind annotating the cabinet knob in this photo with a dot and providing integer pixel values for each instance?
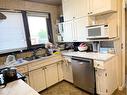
(43, 68)
(98, 64)
(91, 12)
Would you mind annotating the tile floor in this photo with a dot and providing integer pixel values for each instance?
(65, 88)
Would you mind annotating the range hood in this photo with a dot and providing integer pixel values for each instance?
(2, 16)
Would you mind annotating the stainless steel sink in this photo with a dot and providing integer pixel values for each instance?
(34, 58)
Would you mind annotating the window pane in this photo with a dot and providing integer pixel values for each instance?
(38, 30)
(12, 34)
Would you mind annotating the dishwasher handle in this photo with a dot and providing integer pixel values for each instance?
(82, 59)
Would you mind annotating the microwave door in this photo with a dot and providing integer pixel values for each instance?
(94, 32)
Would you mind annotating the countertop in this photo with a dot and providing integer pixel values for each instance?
(18, 87)
(28, 62)
(90, 55)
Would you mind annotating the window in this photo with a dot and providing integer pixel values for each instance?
(38, 28)
(22, 30)
(12, 34)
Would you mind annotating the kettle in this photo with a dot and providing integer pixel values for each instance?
(9, 74)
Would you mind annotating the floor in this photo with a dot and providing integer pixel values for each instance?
(65, 88)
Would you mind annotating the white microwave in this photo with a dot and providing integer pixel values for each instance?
(98, 31)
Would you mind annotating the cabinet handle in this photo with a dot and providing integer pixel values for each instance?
(106, 74)
(91, 12)
(43, 68)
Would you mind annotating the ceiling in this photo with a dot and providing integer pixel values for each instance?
(52, 2)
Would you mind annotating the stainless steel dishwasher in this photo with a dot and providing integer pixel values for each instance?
(84, 74)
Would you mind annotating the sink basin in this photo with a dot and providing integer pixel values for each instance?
(34, 58)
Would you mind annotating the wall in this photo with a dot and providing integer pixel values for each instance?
(31, 6)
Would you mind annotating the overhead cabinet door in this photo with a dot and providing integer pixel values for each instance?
(68, 34)
(74, 9)
(75, 31)
(68, 9)
(102, 6)
(80, 8)
(80, 29)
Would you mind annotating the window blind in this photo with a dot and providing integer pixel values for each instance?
(12, 33)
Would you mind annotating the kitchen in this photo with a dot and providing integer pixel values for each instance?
(66, 23)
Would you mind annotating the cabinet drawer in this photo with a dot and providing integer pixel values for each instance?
(22, 69)
(99, 64)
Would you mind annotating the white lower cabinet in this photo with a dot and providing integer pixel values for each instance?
(37, 79)
(60, 71)
(51, 75)
(106, 76)
(44, 77)
(101, 82)
(67, 70)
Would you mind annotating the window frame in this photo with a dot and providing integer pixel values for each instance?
(30, 47)
(27, 31)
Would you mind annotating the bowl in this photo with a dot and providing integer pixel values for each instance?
(82, 48)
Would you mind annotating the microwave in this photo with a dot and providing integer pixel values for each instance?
(98, 31)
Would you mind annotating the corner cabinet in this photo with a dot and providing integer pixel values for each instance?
(75, 30)
(102, 6)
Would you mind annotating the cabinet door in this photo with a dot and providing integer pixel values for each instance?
(101, 82)
(37, 79)
(74, 9)
(68, 10)
(80, 29)
(68, 33)
(60, 71)
(67, 71)
(51, 75)
(80, 8)
(102, 6)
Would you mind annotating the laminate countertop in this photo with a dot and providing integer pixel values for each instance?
(90, 55)
(18, 87)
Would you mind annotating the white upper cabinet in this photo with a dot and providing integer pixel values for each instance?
(78, 8)
(102, 6)
(80, 29)
(81, 8)
(75, 30)
(68, 31)
(68, 9)
(74, 9)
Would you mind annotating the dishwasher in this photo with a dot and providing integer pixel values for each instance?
(84, 74)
